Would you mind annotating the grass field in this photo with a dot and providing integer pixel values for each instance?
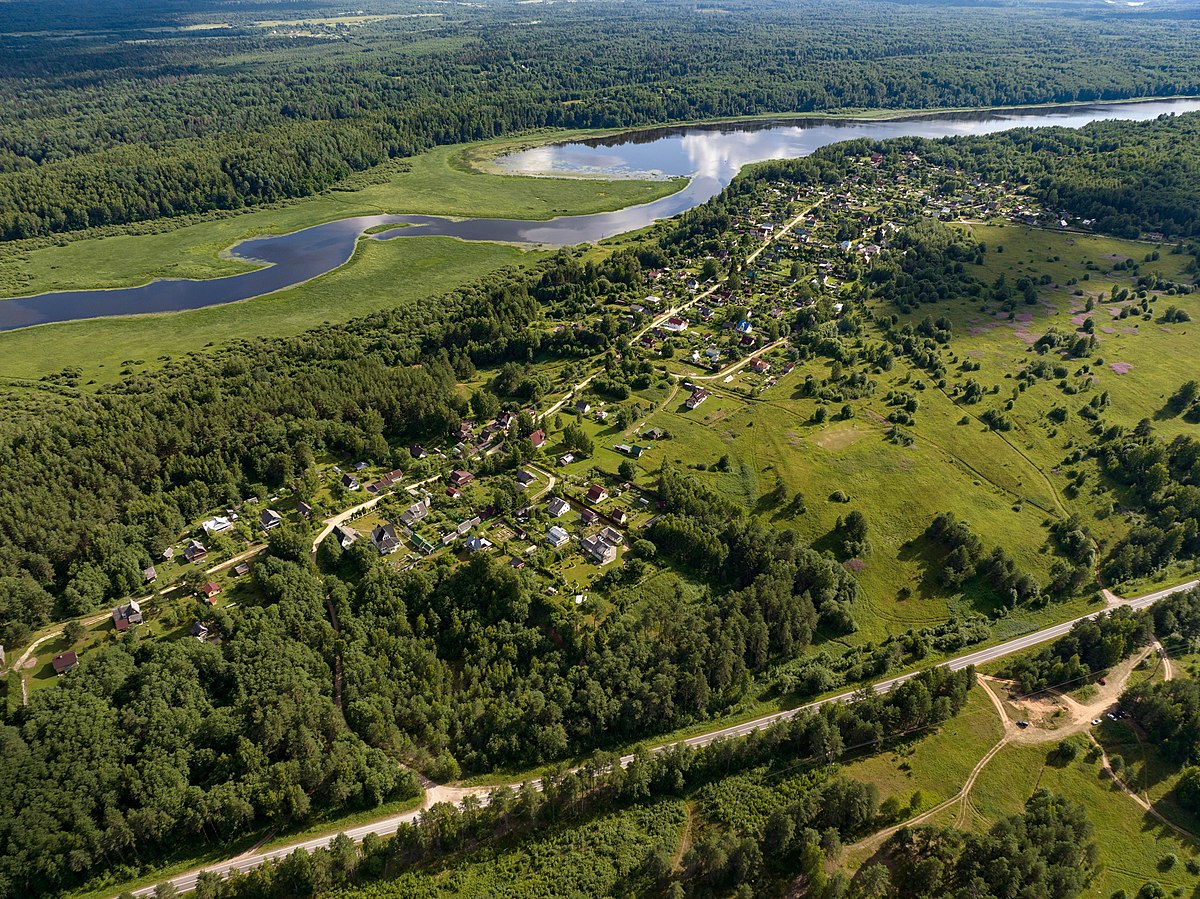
(382, 275)
(936, 765)
(900, 489)
(439, 182)
(1131, 843)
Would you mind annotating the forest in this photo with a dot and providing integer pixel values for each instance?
(149, 119)
(819, 811)
(338, 678)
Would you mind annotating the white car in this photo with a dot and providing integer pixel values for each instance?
(1095, 721)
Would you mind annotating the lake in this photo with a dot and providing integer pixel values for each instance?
(708, 155)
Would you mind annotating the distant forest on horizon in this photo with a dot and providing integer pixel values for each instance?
(127, 112)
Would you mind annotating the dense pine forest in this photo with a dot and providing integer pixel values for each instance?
(149, 119)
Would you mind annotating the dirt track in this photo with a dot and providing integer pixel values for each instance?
(1072, 717)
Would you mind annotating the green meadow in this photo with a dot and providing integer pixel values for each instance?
(1133, 845)
(442, 181)
(379, 275)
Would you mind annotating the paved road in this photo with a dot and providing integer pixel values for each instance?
(435, 794)
(979, 657)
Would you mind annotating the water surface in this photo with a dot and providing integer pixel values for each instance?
(708, 155)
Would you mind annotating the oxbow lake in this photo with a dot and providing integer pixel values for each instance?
(709, 156)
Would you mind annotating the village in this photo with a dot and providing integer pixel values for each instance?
(559, 492)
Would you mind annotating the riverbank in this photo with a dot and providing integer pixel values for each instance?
(521, 210)
(484, 158)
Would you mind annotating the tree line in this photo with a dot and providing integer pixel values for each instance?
(137, 124)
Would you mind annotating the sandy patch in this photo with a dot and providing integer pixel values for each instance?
(1121, 368)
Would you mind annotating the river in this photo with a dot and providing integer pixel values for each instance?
(708, 155)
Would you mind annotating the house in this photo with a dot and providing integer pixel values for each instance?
(350, 482)
(195, 551)
(525, 478)
(270, 519)
(699, 395)
(583, 407)
(466, 431)
(655, 434)
(516, 562)
(461, 478)
(417, 451)
(537, 438)
(675, 324)
(127, 616)
(748, 340)
(599, 550)
(566, 459)
(359, 466)
(303, 509)
(388, 480)
(168, 554)
(210, 591)
(345, 535)
(637, 451)
(476, 544)
(150, 575)
(619, 516)
(611, 536)
(65, 662)
(557, 537)
(199, 630)
(760, 365)
(596, 494)
(241, 569)
(415, 513)
(692, 284)
(384, 539)
(588, 516)
(558, 507)
(453, 492)
(744, 327)
(216, 524)
(465, 526)
(506, 420)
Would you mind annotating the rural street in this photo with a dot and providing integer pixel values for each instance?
(436, 794)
